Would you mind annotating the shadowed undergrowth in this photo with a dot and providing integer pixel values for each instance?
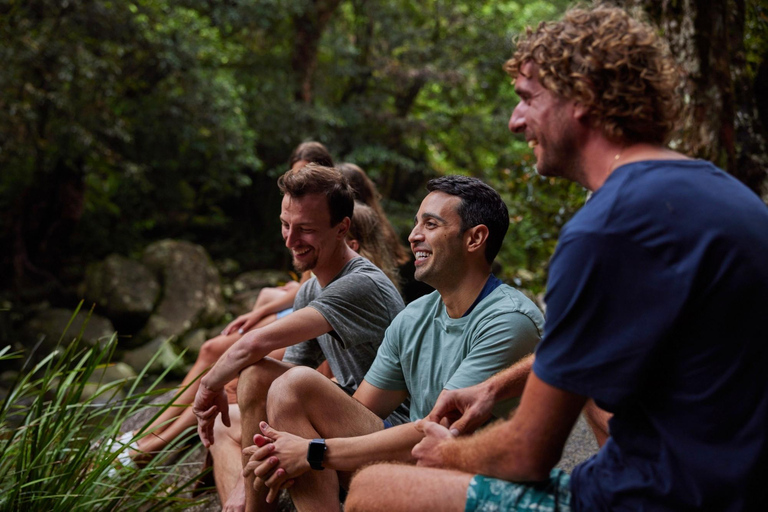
(57, 423)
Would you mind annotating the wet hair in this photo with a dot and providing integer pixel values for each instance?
(366, 229)
(313, 152)
(318, 179)
(613, 64)
(480, 204)
(366, 192)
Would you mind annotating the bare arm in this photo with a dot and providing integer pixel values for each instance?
(289, 452)
(285, 296)
(523, 448)
(210, 399)
(304, 324)
(464, 410)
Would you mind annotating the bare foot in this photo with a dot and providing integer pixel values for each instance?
(236, 500)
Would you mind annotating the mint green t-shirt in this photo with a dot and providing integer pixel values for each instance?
(426, 351)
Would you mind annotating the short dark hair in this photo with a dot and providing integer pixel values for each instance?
(318, 179)
(313, 152)
(480, 204)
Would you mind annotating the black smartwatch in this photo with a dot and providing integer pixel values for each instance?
(316, 453)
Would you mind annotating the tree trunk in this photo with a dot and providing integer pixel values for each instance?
(722, 123)
(309, 29)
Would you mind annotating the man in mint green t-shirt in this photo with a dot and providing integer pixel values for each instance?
(470, 328)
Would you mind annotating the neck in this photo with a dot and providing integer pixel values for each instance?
(462, 294)
(603, 157)
(341, 256)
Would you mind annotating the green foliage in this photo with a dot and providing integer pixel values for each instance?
(55, 423)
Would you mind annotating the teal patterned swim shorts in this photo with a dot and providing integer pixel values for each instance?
(486, 494)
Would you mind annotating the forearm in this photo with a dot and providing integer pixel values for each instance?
(493, 452)
(243, 353)
(276, 305)
(392, 444)
(509, 383)
(525, 447)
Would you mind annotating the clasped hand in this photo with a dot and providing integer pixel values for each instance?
(276, 459)
(207, 405)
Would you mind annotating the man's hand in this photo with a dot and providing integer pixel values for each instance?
(427, 452)
(207, 405)
(463, 410)
(271, 450)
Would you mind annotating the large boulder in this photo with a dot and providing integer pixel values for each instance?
(162, 355)
(124, 289)
(246, 288)
(48, 326)
(191, 289)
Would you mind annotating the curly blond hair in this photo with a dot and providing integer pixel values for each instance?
(612, 63)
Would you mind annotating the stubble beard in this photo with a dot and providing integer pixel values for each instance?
(303, 266)
(564, 160)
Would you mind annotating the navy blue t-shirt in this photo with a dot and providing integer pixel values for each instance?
(657, 307)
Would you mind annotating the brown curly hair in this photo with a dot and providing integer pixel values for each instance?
(612, 63)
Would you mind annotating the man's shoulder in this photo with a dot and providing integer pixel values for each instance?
(507, 300)
(417, 310)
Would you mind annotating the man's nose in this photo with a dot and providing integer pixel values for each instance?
(517, 120)
(415, 235)
(290, 237)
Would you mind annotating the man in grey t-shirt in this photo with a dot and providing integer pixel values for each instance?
(348, 305)
(470, 328)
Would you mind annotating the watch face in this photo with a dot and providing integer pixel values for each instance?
(316, 453)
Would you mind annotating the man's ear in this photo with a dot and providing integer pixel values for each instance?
(343, 228)
(476, 237)
(353, 244)
(580, 111)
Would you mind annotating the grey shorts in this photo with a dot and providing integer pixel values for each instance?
(486, 494)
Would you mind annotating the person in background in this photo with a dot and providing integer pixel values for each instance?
(366, 192)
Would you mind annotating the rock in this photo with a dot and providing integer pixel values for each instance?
(258, 279)
(124, 289)
(191, 289)
(243, 302)
(194, 340)
(140, 357)
(105, 375)
(580, 446)
(246, 288)
(49, 324)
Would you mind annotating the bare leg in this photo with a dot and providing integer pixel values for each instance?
(597, 419)
(252, 389)
(228, 467)
(397, 488)
(307, 404)
(166, 430)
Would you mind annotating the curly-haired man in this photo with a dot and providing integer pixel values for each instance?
(655, 307)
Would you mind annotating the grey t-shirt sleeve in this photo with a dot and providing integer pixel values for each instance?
(306, 353)
(353, 306)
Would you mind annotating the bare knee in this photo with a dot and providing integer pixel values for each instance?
(292, 390)
(211, 350)
(255, 382)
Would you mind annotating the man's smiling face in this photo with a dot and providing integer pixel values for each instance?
(307, 230)
(436, 238)
(548, 125)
